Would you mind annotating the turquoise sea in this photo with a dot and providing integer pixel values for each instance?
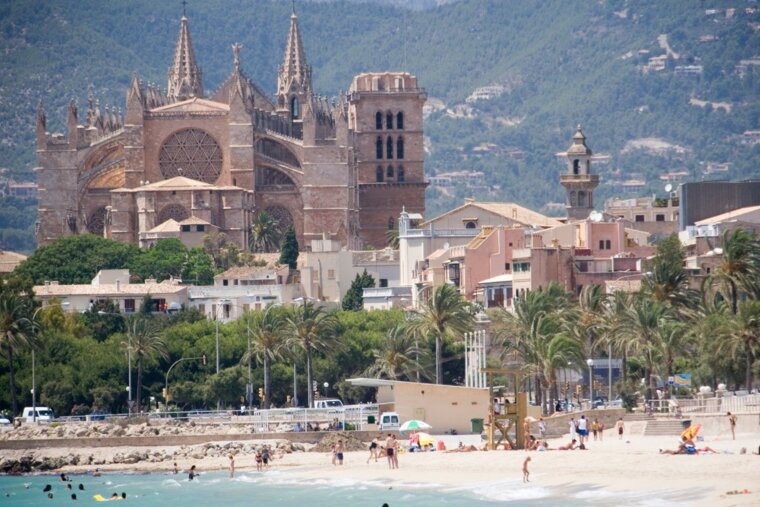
(277, 488)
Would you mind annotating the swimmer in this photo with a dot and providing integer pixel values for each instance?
(73, 496)
(81, 487)
(47, 488)
(191, 475)
(176, 470)
(96, 473)
(50, 496)
(232, 466)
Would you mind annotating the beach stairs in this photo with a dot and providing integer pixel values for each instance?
(663, 427)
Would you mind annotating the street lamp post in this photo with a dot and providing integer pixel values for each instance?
(590, 363)
(175, 363)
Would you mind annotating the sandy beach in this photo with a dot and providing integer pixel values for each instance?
(632, 466)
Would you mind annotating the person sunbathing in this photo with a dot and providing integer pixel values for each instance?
(568, 447)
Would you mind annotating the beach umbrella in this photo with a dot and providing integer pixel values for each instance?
(415, 425)
(424, 439)
(691, 432)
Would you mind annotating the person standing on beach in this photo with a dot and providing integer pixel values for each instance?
(732, 422)
(620, 427)
(232, 466)
(595, 427)
(390, 451)
(338, 453)
(572, 428)
(373, 448)
(541, 427)
(583, 429)
(526, 472)
(601, 431)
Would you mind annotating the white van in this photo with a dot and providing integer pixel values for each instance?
(44, 414)
(328, 403)
(389, 421)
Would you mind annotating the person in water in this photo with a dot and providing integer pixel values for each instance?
(192, 473)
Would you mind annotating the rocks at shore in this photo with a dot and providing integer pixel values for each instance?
(350, 442)
(38, 462)
(123, 428)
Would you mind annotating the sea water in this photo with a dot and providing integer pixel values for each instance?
(277, 488)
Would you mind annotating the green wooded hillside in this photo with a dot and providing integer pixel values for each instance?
(553, 64)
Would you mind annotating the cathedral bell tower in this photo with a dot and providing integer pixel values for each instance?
(578, 181)
(294, 78)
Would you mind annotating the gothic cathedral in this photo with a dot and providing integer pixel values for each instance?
(186, 160)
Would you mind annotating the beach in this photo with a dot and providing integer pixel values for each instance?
(629, 468)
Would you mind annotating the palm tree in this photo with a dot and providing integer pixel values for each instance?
(740, 264)
(674, 339)
(264, 233)
(445, 313)
(397, 357)
(637, 333)
(669, 283)
(267, 331)
(310, 329)
(742, 336)
(16, 331)
(530, 330)
(144, 341)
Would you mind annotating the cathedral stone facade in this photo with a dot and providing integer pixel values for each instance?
(344, 167)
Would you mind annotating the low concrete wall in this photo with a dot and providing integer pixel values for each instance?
(558, 425)
(311, 437)
(717, 426)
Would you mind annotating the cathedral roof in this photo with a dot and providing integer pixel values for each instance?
(195, 104)
(294, 67)
(185, 77)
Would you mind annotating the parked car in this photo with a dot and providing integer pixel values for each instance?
(44, 414)
(328, 403)
(389, 421)
(4, 421)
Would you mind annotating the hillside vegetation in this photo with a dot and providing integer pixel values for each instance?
(546, 66)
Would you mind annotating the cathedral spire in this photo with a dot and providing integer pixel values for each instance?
(185, 77)
(295, 73)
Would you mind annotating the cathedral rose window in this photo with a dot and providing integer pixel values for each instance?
(191, 153)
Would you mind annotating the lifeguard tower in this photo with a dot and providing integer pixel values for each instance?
(512, 414)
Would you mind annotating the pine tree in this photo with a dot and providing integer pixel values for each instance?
(289, 249)
(353, 298)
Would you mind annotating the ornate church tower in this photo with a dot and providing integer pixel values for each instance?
(185, 77)
(579, 183)
(294, 78)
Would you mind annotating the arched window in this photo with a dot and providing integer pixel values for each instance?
(379, 148)
(389, 120)
(400, 148)
(379, 174)
(379, 120)
(400, 121)
(389, 172)
(389, 148)
(470, 225)
(391, 223)
(581, 199)
(576, 166)
(294, 109)
(400, 176)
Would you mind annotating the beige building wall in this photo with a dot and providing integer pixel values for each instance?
(444, 407)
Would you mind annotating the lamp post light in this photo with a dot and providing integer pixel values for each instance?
(590, 363)
(326, 385)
